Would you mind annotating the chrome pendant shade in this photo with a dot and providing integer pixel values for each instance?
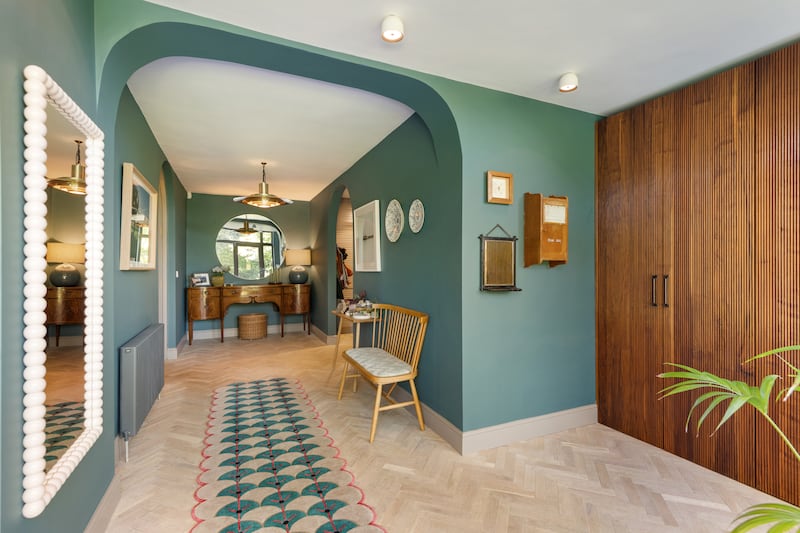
(75, 183)
(263, 198)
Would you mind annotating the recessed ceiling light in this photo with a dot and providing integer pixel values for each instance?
(392, 29)
(568, 82)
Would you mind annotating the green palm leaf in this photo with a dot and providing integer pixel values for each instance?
(795, 385)
(783, 516)
(738, 393)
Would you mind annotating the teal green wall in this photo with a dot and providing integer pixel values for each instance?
(526, 353)
(421, 271)
(492, 357)
(56, 35)
(135, 292)
(207, 213)
(176, 258)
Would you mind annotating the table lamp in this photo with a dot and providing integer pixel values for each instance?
(298, 260)
(65, 274)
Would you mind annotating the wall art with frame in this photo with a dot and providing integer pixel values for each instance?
(367, 236)
(137, 245)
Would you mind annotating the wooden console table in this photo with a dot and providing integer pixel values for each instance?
(210, 303)
(65, 305)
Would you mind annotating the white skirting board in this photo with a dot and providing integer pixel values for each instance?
(467, 442)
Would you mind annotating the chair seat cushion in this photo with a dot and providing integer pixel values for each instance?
(378, 362)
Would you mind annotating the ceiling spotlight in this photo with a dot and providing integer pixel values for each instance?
(392, 29)
(568, 82)
(263, 198)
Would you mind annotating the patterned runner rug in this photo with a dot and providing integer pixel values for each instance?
(269, 466)
(63, 424)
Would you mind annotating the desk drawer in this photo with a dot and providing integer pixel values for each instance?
(246, 293)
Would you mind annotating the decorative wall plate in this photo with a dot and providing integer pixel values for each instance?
(394, 221)
(416, 215)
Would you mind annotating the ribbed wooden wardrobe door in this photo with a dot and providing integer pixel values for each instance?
(714, 257)
(630, 256)
(777, 250)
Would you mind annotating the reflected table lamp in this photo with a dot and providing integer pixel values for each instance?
(298, 260)
(66, 273)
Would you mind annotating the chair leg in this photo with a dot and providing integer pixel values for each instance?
(375, 412)
(344, 378)
(416, 404)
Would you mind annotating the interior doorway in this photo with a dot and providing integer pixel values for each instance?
(344, 249)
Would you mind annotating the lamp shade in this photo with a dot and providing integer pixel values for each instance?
(65, 274)
(62, 252)
(298, 257)
(298, 260)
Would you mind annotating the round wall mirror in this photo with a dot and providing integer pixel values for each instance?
(250, 247)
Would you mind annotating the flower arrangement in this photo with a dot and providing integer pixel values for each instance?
(218, 275)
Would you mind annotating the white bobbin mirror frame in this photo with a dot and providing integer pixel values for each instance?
(39, 486)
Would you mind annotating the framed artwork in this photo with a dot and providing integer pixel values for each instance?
(201, 279)
(137, 244)
(367, 237)
(498, 262)
(499, 187)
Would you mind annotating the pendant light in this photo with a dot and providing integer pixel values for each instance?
(246, 229)
(76, 183)
(262, 198)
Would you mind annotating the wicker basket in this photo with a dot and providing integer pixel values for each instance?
(252, 326)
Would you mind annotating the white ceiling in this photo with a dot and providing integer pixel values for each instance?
(624, 51)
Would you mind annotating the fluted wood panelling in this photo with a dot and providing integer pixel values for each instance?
(777, 199)
(714, 262)
(630, 330)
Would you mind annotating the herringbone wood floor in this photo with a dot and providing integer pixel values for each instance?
(590, 479)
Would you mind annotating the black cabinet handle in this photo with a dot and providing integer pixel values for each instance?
(666, 290)
(653, 281)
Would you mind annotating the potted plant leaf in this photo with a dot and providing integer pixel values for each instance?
(717, 391)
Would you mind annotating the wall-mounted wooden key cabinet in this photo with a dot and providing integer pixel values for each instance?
(546, 229)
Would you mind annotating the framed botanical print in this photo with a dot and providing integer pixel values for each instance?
(499, 187)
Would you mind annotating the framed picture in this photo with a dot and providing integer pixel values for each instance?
(137, 244)
(201, 279)
(498, 262)
(499, 187)
(367, 237)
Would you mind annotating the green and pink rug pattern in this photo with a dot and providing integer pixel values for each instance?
(269, 466)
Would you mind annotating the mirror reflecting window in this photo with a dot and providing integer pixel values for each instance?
(250, 247)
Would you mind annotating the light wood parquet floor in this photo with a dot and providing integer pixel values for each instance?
(591, 479)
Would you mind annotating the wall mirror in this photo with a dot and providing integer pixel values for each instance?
(251, 247)
(43, 99)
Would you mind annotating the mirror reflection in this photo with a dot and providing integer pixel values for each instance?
(65, 304)
(250, 247)
(44, 99)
